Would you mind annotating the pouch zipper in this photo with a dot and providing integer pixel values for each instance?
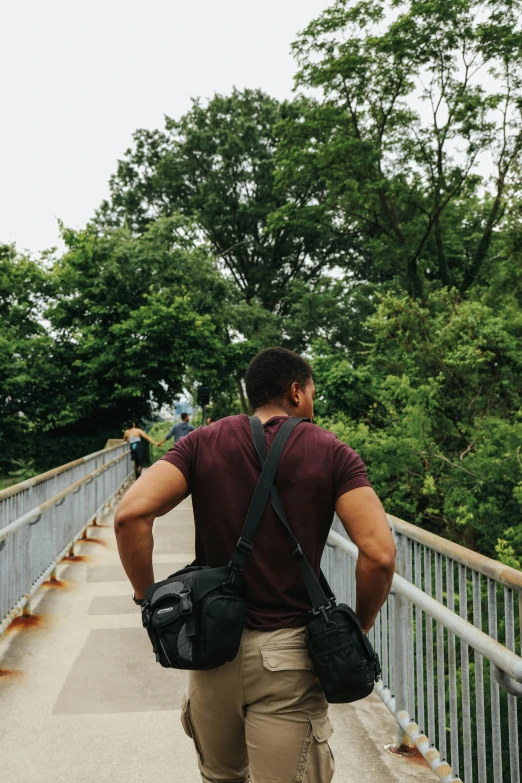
(164, 651)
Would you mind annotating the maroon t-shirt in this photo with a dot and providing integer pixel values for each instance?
(221, 468)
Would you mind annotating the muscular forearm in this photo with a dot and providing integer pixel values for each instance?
(159, 490)
(373, 583)
(135, 545)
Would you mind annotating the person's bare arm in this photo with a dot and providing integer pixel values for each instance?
(158, 490)
(363, 518)
(146, 437)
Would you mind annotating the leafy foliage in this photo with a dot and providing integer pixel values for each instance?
(217, 165)
(24, 346)
(394, 157)
(433, 402)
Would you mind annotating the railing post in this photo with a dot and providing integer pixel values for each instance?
(402, 632)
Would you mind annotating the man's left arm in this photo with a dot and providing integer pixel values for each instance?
(170, 433)
(159, 490)
(167, 436)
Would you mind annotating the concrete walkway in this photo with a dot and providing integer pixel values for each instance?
(83, 701)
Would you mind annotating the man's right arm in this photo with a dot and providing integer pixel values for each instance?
(363, 518)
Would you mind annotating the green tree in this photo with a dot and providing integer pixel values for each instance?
(130, 316)
(216, 165)
(24, 347)
(135, 320)
(413, 149)
(433, 402)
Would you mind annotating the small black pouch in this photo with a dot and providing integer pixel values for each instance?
(342, 655)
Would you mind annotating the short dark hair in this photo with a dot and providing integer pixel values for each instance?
(184, 416)
(271, 373)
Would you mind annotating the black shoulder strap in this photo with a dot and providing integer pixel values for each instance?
(319, 591)
(261, 494)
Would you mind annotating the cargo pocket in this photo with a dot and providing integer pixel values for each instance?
(189, 728)
(286, 657)
(317, 761)
(289, 677)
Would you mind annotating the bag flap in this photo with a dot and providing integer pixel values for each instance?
(171, 588)
(209, 579)
(286, 657)
(357, 627)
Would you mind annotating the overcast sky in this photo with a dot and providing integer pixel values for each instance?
(77, 78)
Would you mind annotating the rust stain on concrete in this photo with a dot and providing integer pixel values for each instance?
(56, 583)
(409, 752)
(6, 673)
(27, 621)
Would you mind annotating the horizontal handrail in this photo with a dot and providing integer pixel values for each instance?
(33, 515)
(506, 660)
(492, 569)
(32, 482)
(51, 536)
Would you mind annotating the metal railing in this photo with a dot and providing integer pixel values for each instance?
(41, 518)
(449, 642)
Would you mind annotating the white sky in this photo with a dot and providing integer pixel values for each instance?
(78, 78)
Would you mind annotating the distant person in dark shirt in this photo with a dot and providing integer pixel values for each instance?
(264, 716)
(179, 430)
(210, 420)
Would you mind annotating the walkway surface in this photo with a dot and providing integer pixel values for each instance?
(83, 701)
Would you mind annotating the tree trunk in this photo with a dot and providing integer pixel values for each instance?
(485, 240)
(245, 408)
(441, 255)
(413, 280)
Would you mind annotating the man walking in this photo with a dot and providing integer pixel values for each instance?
(179, 430)
(263, 716)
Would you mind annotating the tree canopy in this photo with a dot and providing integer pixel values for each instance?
(217, 165)
(413, 150)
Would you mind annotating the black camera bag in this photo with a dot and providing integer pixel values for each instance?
(341, 653)
(195, 618)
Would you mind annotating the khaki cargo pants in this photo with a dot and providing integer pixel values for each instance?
(262, 718)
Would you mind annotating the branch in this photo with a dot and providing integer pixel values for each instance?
(466, 451)
(464, 470)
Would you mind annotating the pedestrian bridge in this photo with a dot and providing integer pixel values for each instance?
(82, 699)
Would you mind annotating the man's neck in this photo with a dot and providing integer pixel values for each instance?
(267, 412)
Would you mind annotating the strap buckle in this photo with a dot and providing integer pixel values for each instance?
(322, 609)
(329, 625)
(244, 546)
